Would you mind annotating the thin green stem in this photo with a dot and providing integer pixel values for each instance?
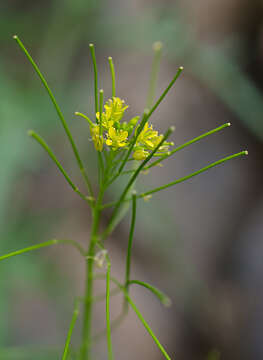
(165, 92)
(164, 299)
(93, 56)
(141, 318)
(108, 322)
(86, 333)
(101, 109)
(142, 195)
(114, 325)
(132, 180)
(129, 249)
(146, 115)
(45, 244)
(187, 144)
(59, 112)
(102, 297)
(193, 174)
(112, 69)
(133, 142)
(84, 117)
(157, 48)
(100, 168)
(70, 331)
(42, 142)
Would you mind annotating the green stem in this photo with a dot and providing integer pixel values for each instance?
(84, 117)
(164, 299)
(42, 142)
(157, 48)
(143, 321)
(133, 142)
(108, 323)
(45, 244)
(187, 177)
(93, 56)
(193, 174)
(112, 76)
(86, 332)
(101, 109)
(165, 92)
(131, 181)
(70, 331)
(146, 115)
(186, 144)
(59, 112)
(129, 249)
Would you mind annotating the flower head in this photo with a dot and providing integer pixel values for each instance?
(114, 110)
(148, 137)
(116, 138)
(96, 137)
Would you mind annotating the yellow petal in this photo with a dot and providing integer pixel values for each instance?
(123, 135)
(112, 132)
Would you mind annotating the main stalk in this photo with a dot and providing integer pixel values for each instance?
(87, 320)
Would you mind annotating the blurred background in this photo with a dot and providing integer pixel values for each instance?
(201, 241)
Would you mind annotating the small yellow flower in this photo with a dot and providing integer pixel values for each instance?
(140, 154)
(116, 138)
(114, 110)
(149, 138)
(96, 137)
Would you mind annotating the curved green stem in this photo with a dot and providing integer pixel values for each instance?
(77, 113)
(164, 299)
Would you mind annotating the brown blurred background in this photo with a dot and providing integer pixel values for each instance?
(200, 242)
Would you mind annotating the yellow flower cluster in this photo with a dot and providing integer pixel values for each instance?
(147, 141)
(115, 134)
